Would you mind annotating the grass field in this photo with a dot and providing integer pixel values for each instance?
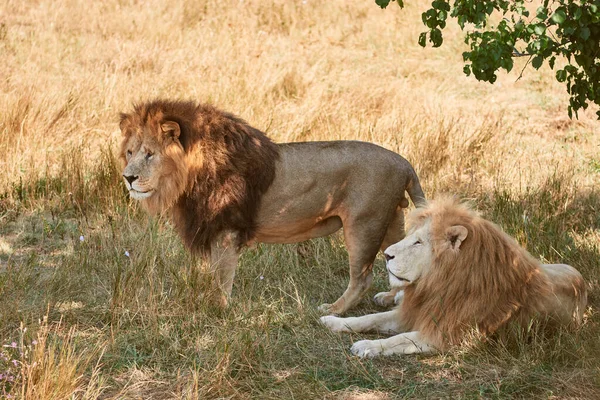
(97, 300)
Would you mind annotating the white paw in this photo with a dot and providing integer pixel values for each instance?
(366, 348)
(399, 297)
(334, 323)
(382, 299)
(387, 299)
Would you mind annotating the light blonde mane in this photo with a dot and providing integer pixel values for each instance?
(485, 283)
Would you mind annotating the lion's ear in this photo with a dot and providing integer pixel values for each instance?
(125, 122)
(456, 235)
(171, 129)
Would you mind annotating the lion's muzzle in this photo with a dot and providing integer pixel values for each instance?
(130, 179)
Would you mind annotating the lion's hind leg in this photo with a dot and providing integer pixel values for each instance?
(363, 238)
(404, 343)
(569, 293)
(394, 234)
(395, 230)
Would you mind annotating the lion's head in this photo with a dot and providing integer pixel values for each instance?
(206, 166)
(412, 257)
(156, 166)
(461, 272)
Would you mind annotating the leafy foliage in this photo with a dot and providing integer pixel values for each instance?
(559, 28)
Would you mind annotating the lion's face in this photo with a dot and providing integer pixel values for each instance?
(408, 259)
(155, 169)
(143, 171)
(412, 257)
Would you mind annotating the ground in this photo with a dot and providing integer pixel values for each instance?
(98, 300)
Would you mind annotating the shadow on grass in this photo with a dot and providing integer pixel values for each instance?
(131, 284)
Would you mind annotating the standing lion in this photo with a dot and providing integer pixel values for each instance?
(225, 185)
(461, 272)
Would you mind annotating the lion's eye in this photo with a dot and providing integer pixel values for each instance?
(418, 241)
(128, 153)
(149, 155)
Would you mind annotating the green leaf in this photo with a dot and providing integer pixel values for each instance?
(561, 75)
(400, 3)
(537, 62)
(539, 29)
(382, 3)
(436, 37)
(585, 33)
(422, 39)
(440, 5)
(559, 17)
(542, 13)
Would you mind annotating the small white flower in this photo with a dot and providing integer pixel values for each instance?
(262, 277)
(126, 253)
(81, 238)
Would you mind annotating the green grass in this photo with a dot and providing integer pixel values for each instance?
(135, 326)
(118, 327)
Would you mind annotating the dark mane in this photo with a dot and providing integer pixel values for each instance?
(230, 165)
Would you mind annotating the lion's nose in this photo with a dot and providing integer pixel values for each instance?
(388, 257)
(130, 178)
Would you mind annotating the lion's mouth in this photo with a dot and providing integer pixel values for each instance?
(140, 195)
(396, 276)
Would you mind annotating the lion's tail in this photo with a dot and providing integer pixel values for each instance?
(415, 191)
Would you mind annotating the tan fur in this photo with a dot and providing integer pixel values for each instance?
(478, 277)
(226, 185)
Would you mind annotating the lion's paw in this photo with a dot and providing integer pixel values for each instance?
(366, 348)
(387, 299)
(327, 309)
(399, 297)
(334, 323)
(384, 299)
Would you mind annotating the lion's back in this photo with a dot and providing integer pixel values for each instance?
(361, 165)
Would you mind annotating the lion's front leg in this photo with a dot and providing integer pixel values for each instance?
(386, 322)
(404, 343)
(223, 263)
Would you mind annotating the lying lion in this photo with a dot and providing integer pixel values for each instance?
(225, 185)
(461, 272)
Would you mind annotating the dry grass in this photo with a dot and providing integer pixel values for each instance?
(121, 327)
